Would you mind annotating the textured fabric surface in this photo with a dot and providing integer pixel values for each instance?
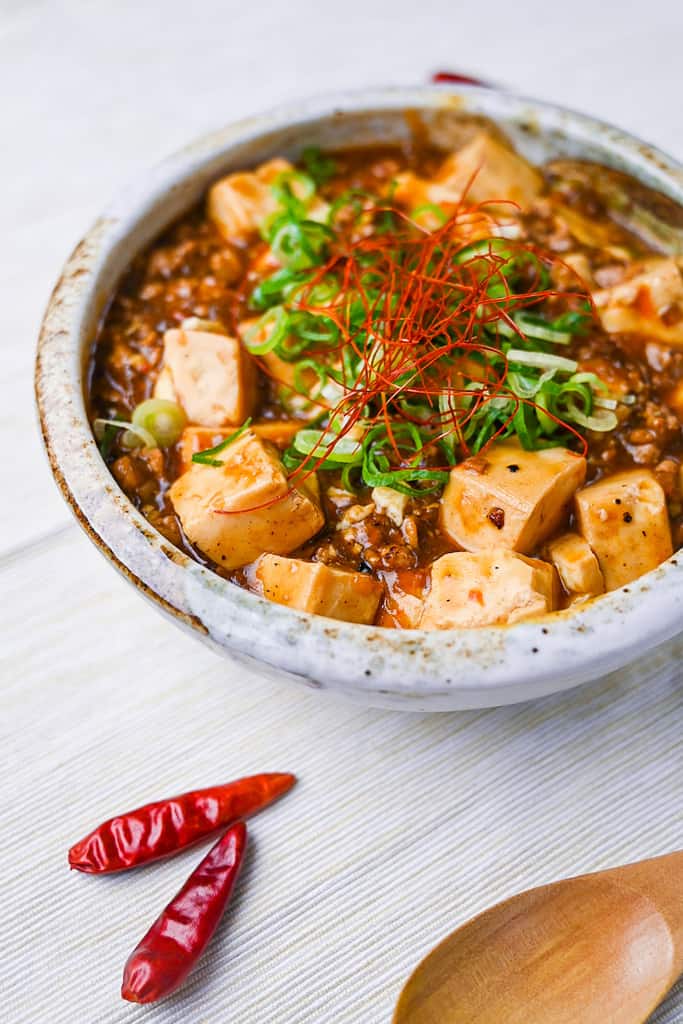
(401, 827)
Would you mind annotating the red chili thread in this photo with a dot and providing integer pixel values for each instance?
(423, 296)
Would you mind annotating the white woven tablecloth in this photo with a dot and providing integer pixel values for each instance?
(401, 827)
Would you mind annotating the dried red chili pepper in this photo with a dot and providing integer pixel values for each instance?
(161, 829)
(453, 76)
(181, 933)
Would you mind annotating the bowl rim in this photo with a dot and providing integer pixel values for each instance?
(459, 668)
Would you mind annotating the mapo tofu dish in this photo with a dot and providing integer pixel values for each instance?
(405, 386)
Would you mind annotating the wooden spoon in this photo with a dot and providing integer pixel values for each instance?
(598, 949)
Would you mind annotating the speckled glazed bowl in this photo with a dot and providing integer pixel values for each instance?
(407, 669)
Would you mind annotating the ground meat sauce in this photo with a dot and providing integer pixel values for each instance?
(192, 271)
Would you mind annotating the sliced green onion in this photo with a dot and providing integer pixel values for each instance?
(346, 481)
(544, 403)
(322, 293)
(291, 347)
(574, 321)
(542, 360)
(313, 328)
(526, 387)
(591, 379)
(277, 288)
(355, 200)
(206, 457)
(447, 407)
(133, 436)
(309, 366)
(321, 443)
(106, 440)
(295, 183)
(320, 167)
(271, 328)
(487, 246)
(431, 208)
(602, 421)
(416, 410)
(300, 244)
(525, 423)
(535, 326)
(506, 329)
(163, 419)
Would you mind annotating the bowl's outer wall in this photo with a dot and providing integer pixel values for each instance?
(408, 669)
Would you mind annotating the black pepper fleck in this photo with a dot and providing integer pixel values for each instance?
(497, 517)
(514, 468)
(627, 517)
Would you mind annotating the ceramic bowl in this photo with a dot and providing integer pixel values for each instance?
(407, 669)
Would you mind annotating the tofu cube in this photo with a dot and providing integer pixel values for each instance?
(318, 588)
(649, 302)
(474, 225)
(489, 588)
(576, 564)
(510, 498)
(264, 511)
(210, 375)
(239, 203)
(486, 169)
(163, 387)
(198, 439)
(404, 598)
(624, 518)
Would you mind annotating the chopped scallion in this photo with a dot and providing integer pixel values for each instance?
(206, 457)
(542, 360)
(163, 419)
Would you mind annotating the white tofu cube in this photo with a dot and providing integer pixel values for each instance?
(210, 375)
(197, 439)
(576, 564)
(510, 498)
(486, 169)
(489, 588)
(246, 506)
(649, 303)
(163, 387)
(318, 588)
(404, 598)
(239, 203)
(624, 518)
